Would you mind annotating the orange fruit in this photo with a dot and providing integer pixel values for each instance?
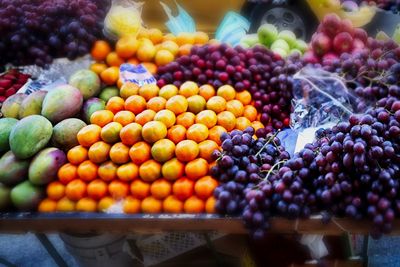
(149, 91)
(105, 203)
(172, 205)
(185, 38)
(257, 125)
(165, 116)
(143, 33)
(119, 83)
(156, 103)
(131, 205)
(140, 189)
(236, 107)
(100, 50)
(77, 154)
(97, 189)
(154, 131)
(216, 104)
(215, 132)
(98, 152)
(183, 188)
(173, 169)
(196, 168)
(176, 133)
(139, 152)
(119, 153)
(242, 123)
(227, 92)
(205, 186)
(227, 120)
(177, 104)
(110, 75)
(65, 205)
(124, 117)
(87, 171)
(244, 97)
(170, 46)
(98, 67)
(89, 135)
(126, 46)
(131, 133)
(108, 171)
(185, 49)
(155, 35)
(145, 116)
(207, 117)
(163, 57)
(150, 67)
(133, 61)
(110, 132)
(118, 189)
(206, 148)
(186, 150)
(146, 52)
(128, 172)
(194, 205)
(151, 205)
(67, 173)
(160, 188)
(168, 91)
(75, 190)
(115, 104)
(188, 89)
(196, 104)
(197, 132)
(169, 37)
(201, 38)
(86, 204)
(250, 113)
(114, 60)
(185, 119)
(128, 89)
(163, 150)
(47, 205)
(55, 190)
(210, 205)
(150, 170)
(135, 104)
(206, 91)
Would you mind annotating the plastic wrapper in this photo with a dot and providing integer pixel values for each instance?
(181, 23)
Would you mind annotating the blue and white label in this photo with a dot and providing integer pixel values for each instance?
(136, 74)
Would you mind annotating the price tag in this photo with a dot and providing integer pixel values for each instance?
(136, 74)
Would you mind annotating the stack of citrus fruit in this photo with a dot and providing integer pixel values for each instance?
(150, 47)
(151, 149)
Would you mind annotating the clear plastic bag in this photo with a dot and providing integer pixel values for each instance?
(320, 98)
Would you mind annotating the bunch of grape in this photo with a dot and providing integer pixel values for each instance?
(266, 75)
(36, 31)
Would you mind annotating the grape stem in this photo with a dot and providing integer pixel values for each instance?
(273, 167)
(269, 141)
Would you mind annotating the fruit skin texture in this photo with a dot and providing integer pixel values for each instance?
(11, 106)
(45, 165)
(12, 170)
(267, 34)
(321, 44)
(90, 106)
(107, 93)
(6, 124)
(5, 199)
(32, 104)
(64, 133)
(26, 196)
(61, 103)
(343, 42)
(87, 82)
(30, 135)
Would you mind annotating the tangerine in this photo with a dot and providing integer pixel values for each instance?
(151, 205)
(65, 205)
(110, 132)
(183, 188)
(87, 171)
(227, 120)
(124, 117)
(206, 91)
(140, 189)
(176, 133)
(186, 150)
(196, 103)
(166, 116)
(107, 171)
(170, 46)
(131, 134)
(89, 135)
(126, 46)
(105, 203)
(205, 186)
(139, 152)
(128, 172)
(163, 150)
(172, 205)
(97, 189)
(227, 92)
(148, 91)
(196, 168)
(215, 134)
(173, 169)
(184, 50)
(197, 132)
(155, 35)
(194, 205)
(98, 67)
(114, 60)
(119, 153)
(47, 205)
(163, 57)
(110, 75)
(150, 170)
(201, 38)
(86, 204)
(242, 123)
(77, 155)
(115, 104)
(177, 104)
(186, 119)
(160, 188)
(98, 152)
(188, 89)
(210, 205)
(100, 50)
(150, 67)
(250, 113)
(75, 190)
(206, 148)
(207, 117)
(168, 91)
(244, 97)
(135, 104)
(55, 190)
(128, 89)
(216, 104)
(146, 52)
(131, 205)
(118, 189)
(67, 173)
(154, 131)
(156, 103)
(101, 117)
(236, 107)
(145, 116)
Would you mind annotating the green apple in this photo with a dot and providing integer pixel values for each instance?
(289, 37)
(250, 39)
(295, 50)
(267, 34)
(282, 52)
(301, 45)
(280, 44)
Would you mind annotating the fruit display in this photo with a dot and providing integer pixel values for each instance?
(283, 43)
(10, 82)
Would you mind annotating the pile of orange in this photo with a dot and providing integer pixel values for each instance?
(150, 48)
(151, 150)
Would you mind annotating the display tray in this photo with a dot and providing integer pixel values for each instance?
(148, 223)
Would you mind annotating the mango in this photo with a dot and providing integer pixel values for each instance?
(6, 124)
(30, 135)
(32, 104)
(12, 169)
(5, 199)
(11, 106)
(108, 92)
(87, 81)
(26, 196)
(90, 106)
(61, 103)
(45, 165)
(64, 133)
